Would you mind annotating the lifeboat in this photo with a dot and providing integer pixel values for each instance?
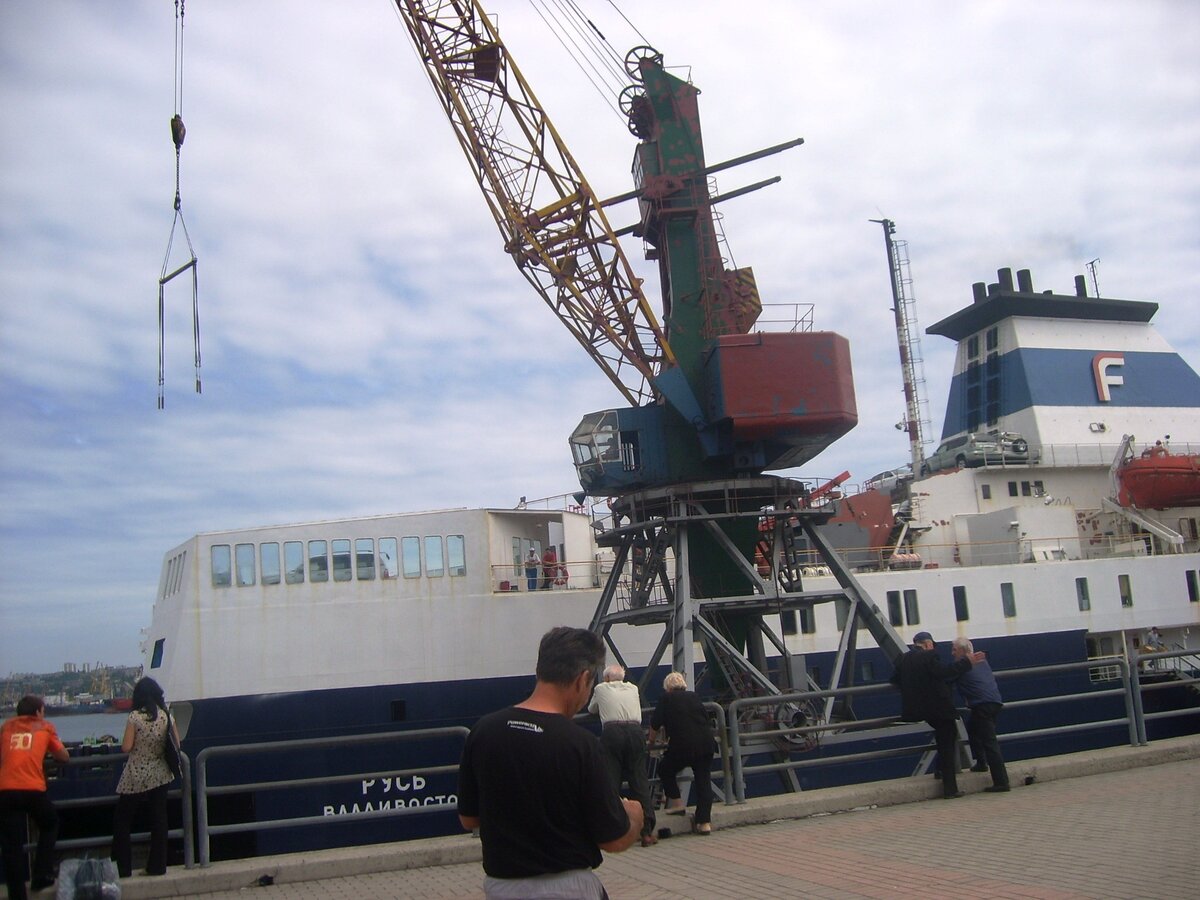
(1159, 479)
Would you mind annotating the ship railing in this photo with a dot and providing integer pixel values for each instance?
(762, 739)
(205, 830)
(970, 554)
(571, 574)
(183, 793)
(1101, 453)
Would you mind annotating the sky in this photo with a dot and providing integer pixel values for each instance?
(369, 348)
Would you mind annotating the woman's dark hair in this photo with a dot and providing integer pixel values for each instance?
(149, 698)
(565, 652)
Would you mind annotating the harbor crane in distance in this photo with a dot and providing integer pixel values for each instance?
(712, 403)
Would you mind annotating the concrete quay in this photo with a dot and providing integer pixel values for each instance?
(1120, 822)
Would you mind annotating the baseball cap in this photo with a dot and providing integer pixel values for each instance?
(922, 636)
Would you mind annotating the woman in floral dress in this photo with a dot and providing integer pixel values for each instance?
(145, 779)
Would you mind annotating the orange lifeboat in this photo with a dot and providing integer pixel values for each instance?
(1159, 479)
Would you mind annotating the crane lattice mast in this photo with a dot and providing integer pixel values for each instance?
(909, 342)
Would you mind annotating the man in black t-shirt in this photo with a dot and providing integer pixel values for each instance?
(536, 785)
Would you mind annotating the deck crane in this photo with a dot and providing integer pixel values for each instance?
(713, 403)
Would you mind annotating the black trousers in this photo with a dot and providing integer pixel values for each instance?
(981, 730)
(945, 733)
(624, 746)
(14, 807)
(127, 806)
(672, 764)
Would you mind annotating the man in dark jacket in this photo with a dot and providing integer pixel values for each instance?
(924, 682)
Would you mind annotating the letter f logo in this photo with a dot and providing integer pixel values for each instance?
(1101, 363)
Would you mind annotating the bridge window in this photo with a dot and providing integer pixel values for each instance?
(456, 555)
(318, 561)
(992, 338)
(222, 566)
(293, 562)
(985, 491)
(1008, 600)
(434, 566)
(244, 555)
(895, 609)
(176, 566)
(1126, 589)
(911, 612)
(157, 655)
(364, 558)
(389, 560)
(1193, 585)
(268, 554)
(341, 560)
(1012, 489)
(410, 556)
(1082, 594)
(960, 603)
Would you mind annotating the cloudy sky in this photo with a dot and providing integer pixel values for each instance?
(369, 348)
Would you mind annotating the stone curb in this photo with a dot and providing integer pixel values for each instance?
(457, 849)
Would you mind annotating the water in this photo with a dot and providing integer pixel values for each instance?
(73, 729)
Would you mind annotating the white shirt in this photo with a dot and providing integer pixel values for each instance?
(616, 701)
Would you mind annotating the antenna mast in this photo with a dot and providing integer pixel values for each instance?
(909, 340)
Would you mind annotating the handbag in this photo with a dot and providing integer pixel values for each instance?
(171, 750)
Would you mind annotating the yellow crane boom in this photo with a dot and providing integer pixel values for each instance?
(553, 225)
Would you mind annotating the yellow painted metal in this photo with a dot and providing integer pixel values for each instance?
(552, 223)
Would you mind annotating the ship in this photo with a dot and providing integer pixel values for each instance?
(428, 620)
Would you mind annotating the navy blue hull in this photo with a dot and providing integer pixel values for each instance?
(347, 713)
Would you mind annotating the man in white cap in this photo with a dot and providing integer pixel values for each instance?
(924, 682)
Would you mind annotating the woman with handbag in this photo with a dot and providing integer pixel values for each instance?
(146, 777)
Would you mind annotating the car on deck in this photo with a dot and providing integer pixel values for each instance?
(978, 448)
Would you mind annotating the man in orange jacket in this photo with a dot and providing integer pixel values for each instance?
(24, 742)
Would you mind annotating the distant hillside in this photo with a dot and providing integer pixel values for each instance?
(75, 684)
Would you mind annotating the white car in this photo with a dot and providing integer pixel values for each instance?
(888, 481)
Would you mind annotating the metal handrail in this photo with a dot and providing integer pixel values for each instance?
(722, 735)
(109, 760)
(1138, 687)
(204, 830)
(1134, 717)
